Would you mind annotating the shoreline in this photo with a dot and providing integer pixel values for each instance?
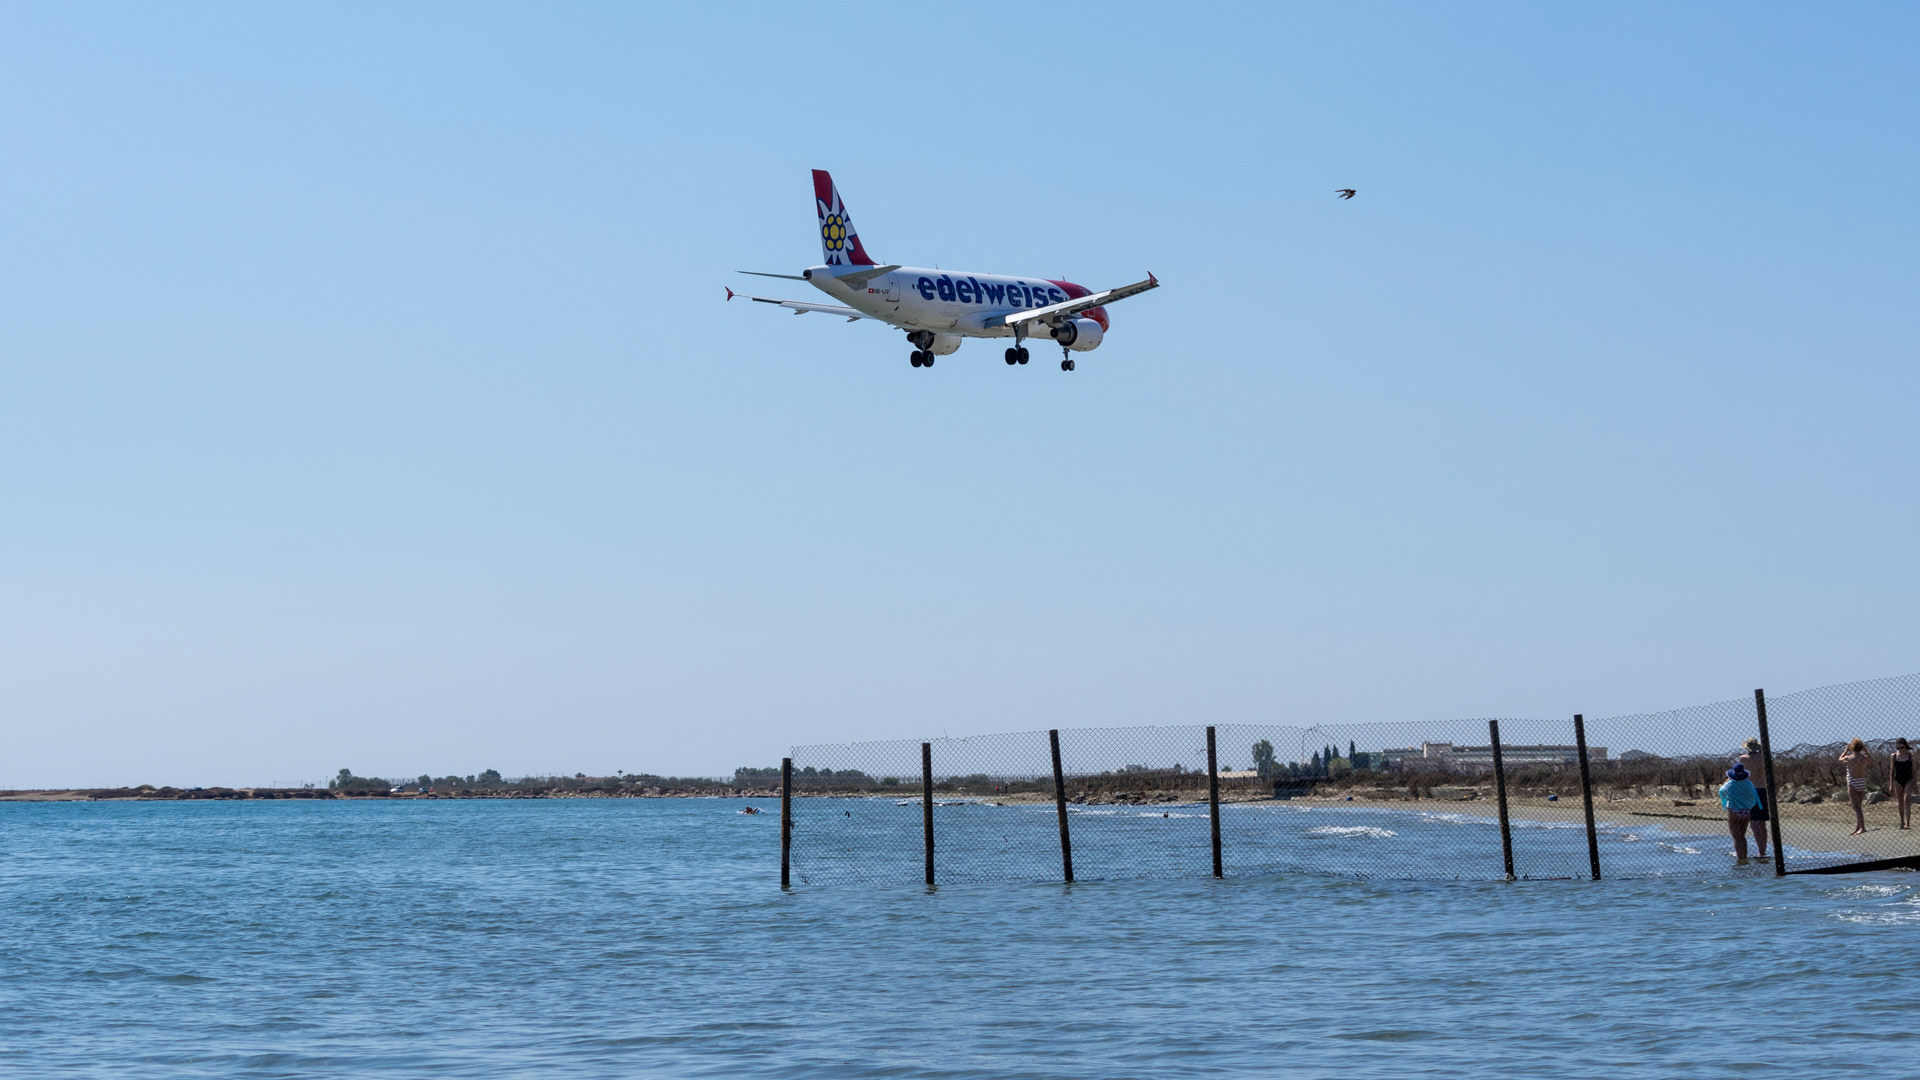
(1802, 828)
(1823, 828)
(1816, 828)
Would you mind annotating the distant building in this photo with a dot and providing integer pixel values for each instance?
(1448, 756)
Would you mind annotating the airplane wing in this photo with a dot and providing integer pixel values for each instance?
(1075, 307)
(801, 307)
(859, 278)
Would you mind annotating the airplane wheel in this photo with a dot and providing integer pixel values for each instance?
(1023, 354)
(1011, 359)
(1066, 365)
(928, 362)
(916, 358)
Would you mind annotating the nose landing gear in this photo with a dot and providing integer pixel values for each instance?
(1066, 365)
(922, 358)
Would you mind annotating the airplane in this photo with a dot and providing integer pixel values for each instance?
(939, 309)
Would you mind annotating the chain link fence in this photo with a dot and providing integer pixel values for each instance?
(1452, 799)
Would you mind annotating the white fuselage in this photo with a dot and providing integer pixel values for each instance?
(944, 302)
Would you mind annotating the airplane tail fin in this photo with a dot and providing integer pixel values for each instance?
(838, 242)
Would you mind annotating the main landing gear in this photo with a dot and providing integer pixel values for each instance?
(922, 342)
(1016, 356)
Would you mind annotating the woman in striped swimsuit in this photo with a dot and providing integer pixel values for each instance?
(1752, 761)
(1857, 761)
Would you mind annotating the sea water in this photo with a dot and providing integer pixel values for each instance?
(980, 840)
(649, 938)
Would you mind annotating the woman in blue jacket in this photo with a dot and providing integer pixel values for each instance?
(1740, 799)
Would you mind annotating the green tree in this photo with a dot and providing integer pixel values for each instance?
(1263, 758)
(346, 781)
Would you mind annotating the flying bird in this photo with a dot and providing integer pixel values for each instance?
(1346, 193)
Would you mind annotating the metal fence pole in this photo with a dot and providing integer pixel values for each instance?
(1773, 793)
(1500, 782)
(786, 821)
(1213, 800)
(1586, 794)
(926, 802)
(1060, 806)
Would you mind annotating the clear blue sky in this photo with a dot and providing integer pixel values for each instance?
(367, 397)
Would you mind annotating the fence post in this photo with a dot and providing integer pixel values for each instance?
(1773, 793)
(1500, 782)
(786, 820)
(926, 802)
(1060, 806)
(1586, 794)
(1213, 800)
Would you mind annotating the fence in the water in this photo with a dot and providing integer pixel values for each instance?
(1465, 799)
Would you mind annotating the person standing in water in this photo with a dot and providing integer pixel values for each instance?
(1752, 761)
(1900, 780)
(1739, 798)
(1857, 761)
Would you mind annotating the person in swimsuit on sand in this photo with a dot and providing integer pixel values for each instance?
(1857, 761)
(1900, 780)
(1739, 798)
(1750, 760)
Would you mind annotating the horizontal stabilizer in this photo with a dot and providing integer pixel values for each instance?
(763, 273)
(801, 307)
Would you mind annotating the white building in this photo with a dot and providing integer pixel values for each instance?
(1448, 756)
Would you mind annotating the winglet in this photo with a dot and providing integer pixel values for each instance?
(729, 293)
(1155, 280)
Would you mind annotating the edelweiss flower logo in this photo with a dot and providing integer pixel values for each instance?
(837, 237)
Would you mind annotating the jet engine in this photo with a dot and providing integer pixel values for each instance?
(937, 344)
(1079, 335)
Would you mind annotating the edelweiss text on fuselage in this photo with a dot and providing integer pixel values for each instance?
(968, 290)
